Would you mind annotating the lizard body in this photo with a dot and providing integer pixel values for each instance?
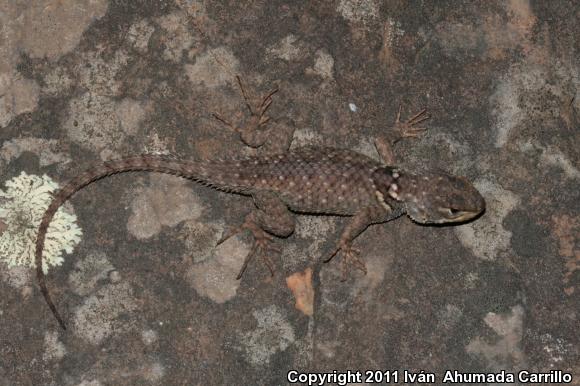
(308, 180)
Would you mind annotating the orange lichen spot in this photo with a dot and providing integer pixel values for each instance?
(301, 286)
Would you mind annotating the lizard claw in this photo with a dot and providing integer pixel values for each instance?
(231, 232)
(251, 128)
(408, 128)
(351, 257)
(262, 246)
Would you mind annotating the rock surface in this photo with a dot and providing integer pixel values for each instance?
(145, 292)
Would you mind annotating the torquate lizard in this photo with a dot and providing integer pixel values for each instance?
(305, 180)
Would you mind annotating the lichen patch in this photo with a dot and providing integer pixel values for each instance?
(17, 96)
(208, 68)
(358, 11)
(272, 335)
(22, 206)
(215, 276)
(167, 202)
(505, 352)
(487, 237)
(93, 122)
(98, 317)
(88, 272)
(47, 150)
(287, 49)
(323, 65)
(139, 35)
(54, 349)
(177, 36)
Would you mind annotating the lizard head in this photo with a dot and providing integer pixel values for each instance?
(436, 198)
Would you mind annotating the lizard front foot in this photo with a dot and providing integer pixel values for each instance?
(252, 130)
(263, 244)
(350, 258)
(408, 129)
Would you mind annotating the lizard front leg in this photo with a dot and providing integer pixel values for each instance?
(253, 131)
(358, 223)
(406, 129)
(271, 217)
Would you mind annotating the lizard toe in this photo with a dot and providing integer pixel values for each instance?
(264, 247)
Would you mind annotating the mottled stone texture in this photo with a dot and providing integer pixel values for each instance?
(148, 297)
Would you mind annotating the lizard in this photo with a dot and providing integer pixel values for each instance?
(310, 180)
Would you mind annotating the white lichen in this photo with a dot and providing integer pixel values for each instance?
(22, 206)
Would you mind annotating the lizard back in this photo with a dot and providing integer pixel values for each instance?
(310, 179)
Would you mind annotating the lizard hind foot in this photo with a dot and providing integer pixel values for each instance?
(263, 244)
(264, 247)
(350, 258)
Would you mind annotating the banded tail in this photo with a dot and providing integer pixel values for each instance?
(217, 174)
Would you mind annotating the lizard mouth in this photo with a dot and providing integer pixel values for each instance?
(459, 215)
(447, 216)
(463, 216)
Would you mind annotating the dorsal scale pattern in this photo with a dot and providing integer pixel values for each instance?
(312, 180)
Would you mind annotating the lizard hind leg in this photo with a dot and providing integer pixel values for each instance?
(357, 224)
(270, 218)
(263, 247)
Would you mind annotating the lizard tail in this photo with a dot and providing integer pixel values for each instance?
(199, 171)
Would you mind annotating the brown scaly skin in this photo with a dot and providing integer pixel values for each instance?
(305, 180)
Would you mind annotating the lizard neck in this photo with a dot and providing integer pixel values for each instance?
(392, 184)
(404, 187)
(386, 183)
